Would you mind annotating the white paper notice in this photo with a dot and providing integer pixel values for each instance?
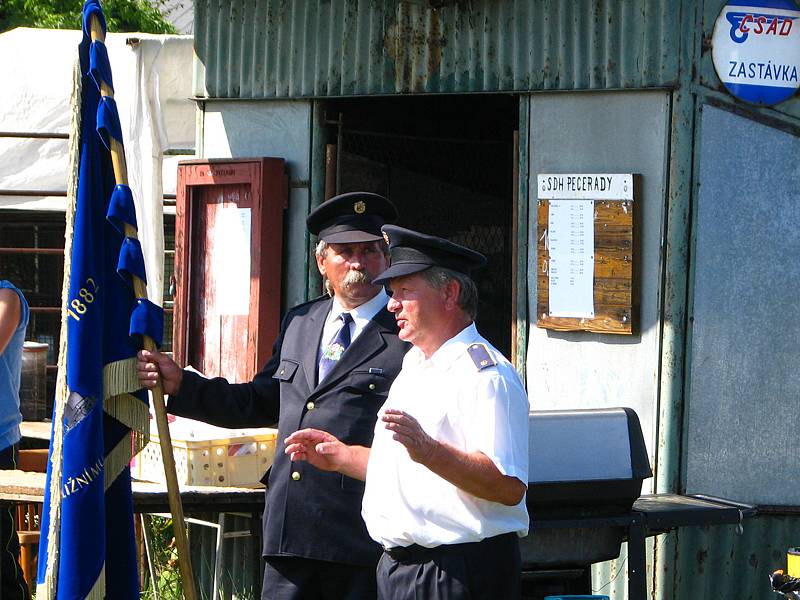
(571, 247)
(231, 261)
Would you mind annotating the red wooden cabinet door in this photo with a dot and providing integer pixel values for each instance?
(228, 255)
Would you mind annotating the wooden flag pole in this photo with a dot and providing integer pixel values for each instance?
(140, 289)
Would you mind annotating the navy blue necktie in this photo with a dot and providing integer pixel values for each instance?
(332, 352)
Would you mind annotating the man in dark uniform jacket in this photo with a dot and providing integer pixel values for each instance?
(328, 371)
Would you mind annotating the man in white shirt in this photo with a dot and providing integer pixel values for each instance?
(446, 475)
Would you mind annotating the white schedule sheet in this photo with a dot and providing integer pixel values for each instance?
(570, 239)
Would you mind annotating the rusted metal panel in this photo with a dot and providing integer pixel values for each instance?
(743, 374)
(308, 48)
(708, 562)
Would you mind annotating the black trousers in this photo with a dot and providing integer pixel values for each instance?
(12, 583)
(295, 578)
(485, 570)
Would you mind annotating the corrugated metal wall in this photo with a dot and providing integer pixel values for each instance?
(717, 562)
(304, 48)
(708, 563)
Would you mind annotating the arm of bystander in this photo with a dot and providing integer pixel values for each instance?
(10, 313)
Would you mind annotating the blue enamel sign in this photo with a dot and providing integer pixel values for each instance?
(756, 49)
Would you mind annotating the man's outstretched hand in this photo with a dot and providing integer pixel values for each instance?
(327, 452)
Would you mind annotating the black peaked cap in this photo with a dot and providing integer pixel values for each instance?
(351, 217)
(412, 252)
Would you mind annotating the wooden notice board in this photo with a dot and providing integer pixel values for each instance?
(228, 256)
(586, 253)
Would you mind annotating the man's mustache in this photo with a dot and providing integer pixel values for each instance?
(354, 277)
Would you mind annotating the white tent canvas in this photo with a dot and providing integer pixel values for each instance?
(152, 86)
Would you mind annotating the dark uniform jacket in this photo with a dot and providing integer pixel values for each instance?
(309, 513)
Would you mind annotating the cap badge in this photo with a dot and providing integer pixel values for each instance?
(360, 207)
(386, 237)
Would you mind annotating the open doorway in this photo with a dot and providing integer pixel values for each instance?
(447, 162)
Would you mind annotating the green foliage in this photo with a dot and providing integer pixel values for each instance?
(121, 15)
(165, 561)
(167, 573)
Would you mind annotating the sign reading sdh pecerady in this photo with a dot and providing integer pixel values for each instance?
(756, 49)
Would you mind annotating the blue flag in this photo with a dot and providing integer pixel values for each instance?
(100, 418)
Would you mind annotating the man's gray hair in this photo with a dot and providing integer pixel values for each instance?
(438, 277)
(322, 246)
(319, 251)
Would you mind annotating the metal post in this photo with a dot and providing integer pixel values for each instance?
(637, 567)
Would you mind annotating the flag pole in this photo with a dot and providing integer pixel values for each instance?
(140, 289)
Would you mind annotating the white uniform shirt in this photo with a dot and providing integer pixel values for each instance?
(474, 410)
(362, 315)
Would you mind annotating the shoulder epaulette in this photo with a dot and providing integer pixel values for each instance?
(479, 354)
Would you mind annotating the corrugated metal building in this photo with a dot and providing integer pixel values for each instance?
(453, 107)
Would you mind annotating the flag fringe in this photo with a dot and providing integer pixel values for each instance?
(133, 413)
(119, 377)
(119, 380)
(47, 590)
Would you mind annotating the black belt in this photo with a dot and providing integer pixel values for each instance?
(412, 553)
(416, 553)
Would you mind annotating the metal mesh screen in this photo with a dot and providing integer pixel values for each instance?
(38, 276)
(455, 188)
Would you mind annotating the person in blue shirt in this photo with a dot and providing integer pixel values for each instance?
(13, 321)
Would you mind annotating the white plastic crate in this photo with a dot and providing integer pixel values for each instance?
(208, 455)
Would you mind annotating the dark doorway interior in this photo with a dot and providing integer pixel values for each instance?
(447, 163)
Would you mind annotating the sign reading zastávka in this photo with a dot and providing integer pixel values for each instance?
(756, 49)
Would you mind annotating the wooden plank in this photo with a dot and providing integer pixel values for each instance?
(522, 204)
(615, 296)
(23, 486)
(36, 430)
(615, 291)
(605, 267)
(515, 228)
(33, 459)
(608, 321)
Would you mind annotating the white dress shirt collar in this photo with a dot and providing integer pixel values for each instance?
(362, 315)
(447, 352)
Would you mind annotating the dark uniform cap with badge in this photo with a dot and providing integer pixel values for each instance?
(351, 217)
(412, 252)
